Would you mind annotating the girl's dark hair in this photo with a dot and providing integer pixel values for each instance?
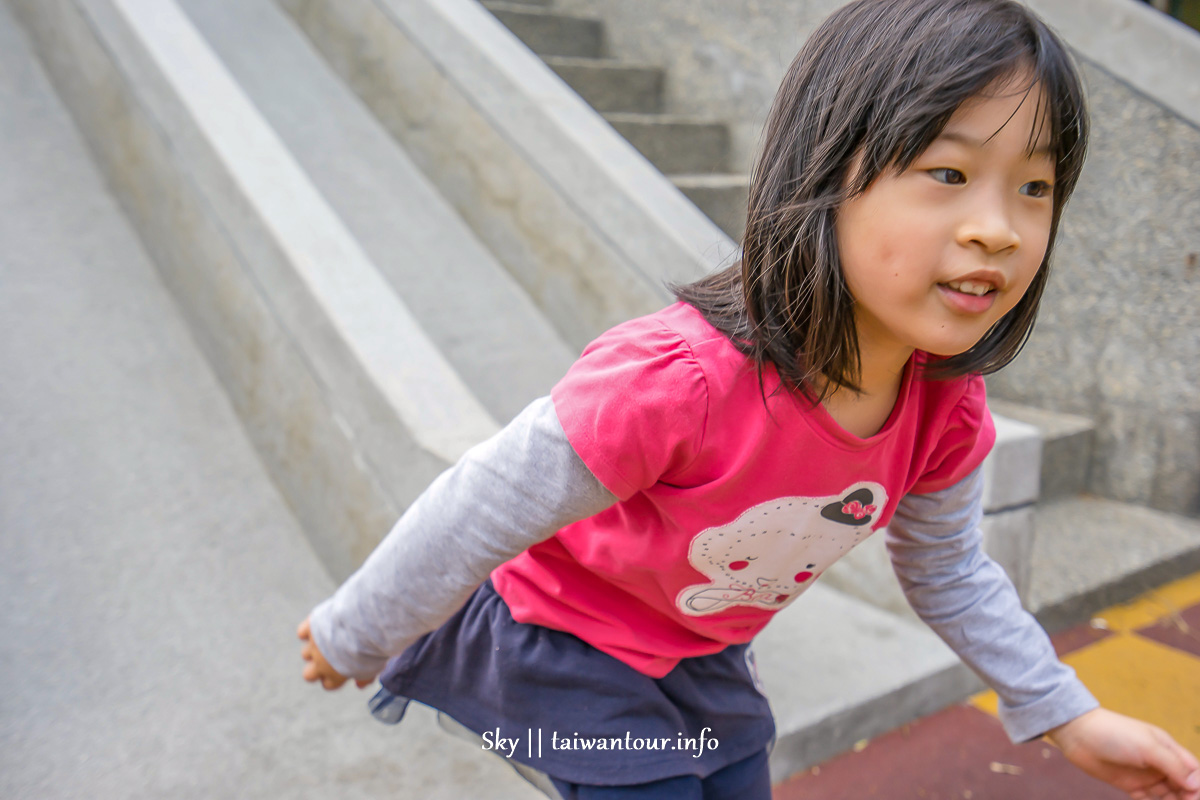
(880, 77)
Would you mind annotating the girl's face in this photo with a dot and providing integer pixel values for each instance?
(971, 214)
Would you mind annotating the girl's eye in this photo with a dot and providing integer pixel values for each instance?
(947, 175)
(1039, 189)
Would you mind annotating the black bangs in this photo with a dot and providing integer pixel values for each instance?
(869, 91)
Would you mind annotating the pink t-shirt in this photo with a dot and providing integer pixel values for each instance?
(728, 509)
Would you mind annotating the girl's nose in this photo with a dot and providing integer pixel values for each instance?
(988, 222)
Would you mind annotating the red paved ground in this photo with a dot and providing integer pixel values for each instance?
(1181, 631)
(963, 753)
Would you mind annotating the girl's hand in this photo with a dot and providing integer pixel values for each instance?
(317, 668)
(1134, 756)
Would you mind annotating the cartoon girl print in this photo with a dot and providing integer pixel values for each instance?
(773, 552)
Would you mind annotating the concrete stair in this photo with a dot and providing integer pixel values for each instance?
(1092, 552)
(693, 153)
(1066, 447)
(367, 325)
(550, 33)
(611, 85)
(722, 196)
(675, 145)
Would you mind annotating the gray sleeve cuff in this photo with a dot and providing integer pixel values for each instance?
(505, 495)
(967, 599)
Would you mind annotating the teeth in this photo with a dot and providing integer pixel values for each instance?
(970, 287)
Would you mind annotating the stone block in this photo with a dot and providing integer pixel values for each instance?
(551, 33)
(609, 85)
(1011, 472)
(676, 145)
(1067, 442)
(723, 198)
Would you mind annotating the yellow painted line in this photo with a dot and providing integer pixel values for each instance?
(1147, 680)
(1153, 606)
(1136, 676)
(987, 701)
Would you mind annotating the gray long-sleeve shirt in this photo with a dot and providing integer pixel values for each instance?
(524, 484)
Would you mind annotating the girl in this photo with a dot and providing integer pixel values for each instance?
(696, 470)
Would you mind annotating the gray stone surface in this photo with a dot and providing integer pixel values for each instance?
(585, 224)
(152, 574)
(352, 408)
(1091, 552)
(1009, 537)
(549, 32)
(725, 60)
(475, 314)
(1067, 442)
(1147, 49)
(609, 85)
(837, 670)
(723, 198)
(1010, 471)
(675, 144)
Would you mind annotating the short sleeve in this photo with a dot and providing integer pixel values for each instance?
(634, 406)
(965, 441)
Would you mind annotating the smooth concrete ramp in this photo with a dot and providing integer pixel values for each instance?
(152, 575)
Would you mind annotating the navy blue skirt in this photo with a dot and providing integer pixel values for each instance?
(555, 703)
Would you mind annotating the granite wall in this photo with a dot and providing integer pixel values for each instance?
(1119, 338)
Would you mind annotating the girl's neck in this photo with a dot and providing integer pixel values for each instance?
(883, 371)
(864, 414)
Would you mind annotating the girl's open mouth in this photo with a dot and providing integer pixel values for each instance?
(968, 298)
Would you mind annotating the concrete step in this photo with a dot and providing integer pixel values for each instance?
(1091, 552)
(838, 670)
(550, 33)
(676, 144)
(609, 85)
(153, 573)
(723, 198)
(1067, 441)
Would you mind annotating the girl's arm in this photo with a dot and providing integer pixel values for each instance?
(505, 495)
(935, 545)
(967, 599)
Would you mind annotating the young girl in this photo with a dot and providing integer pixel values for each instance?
(697, 469)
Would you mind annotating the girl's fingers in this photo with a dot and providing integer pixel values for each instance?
(1176, 763)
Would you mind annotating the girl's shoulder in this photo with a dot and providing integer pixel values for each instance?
(677, 335)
